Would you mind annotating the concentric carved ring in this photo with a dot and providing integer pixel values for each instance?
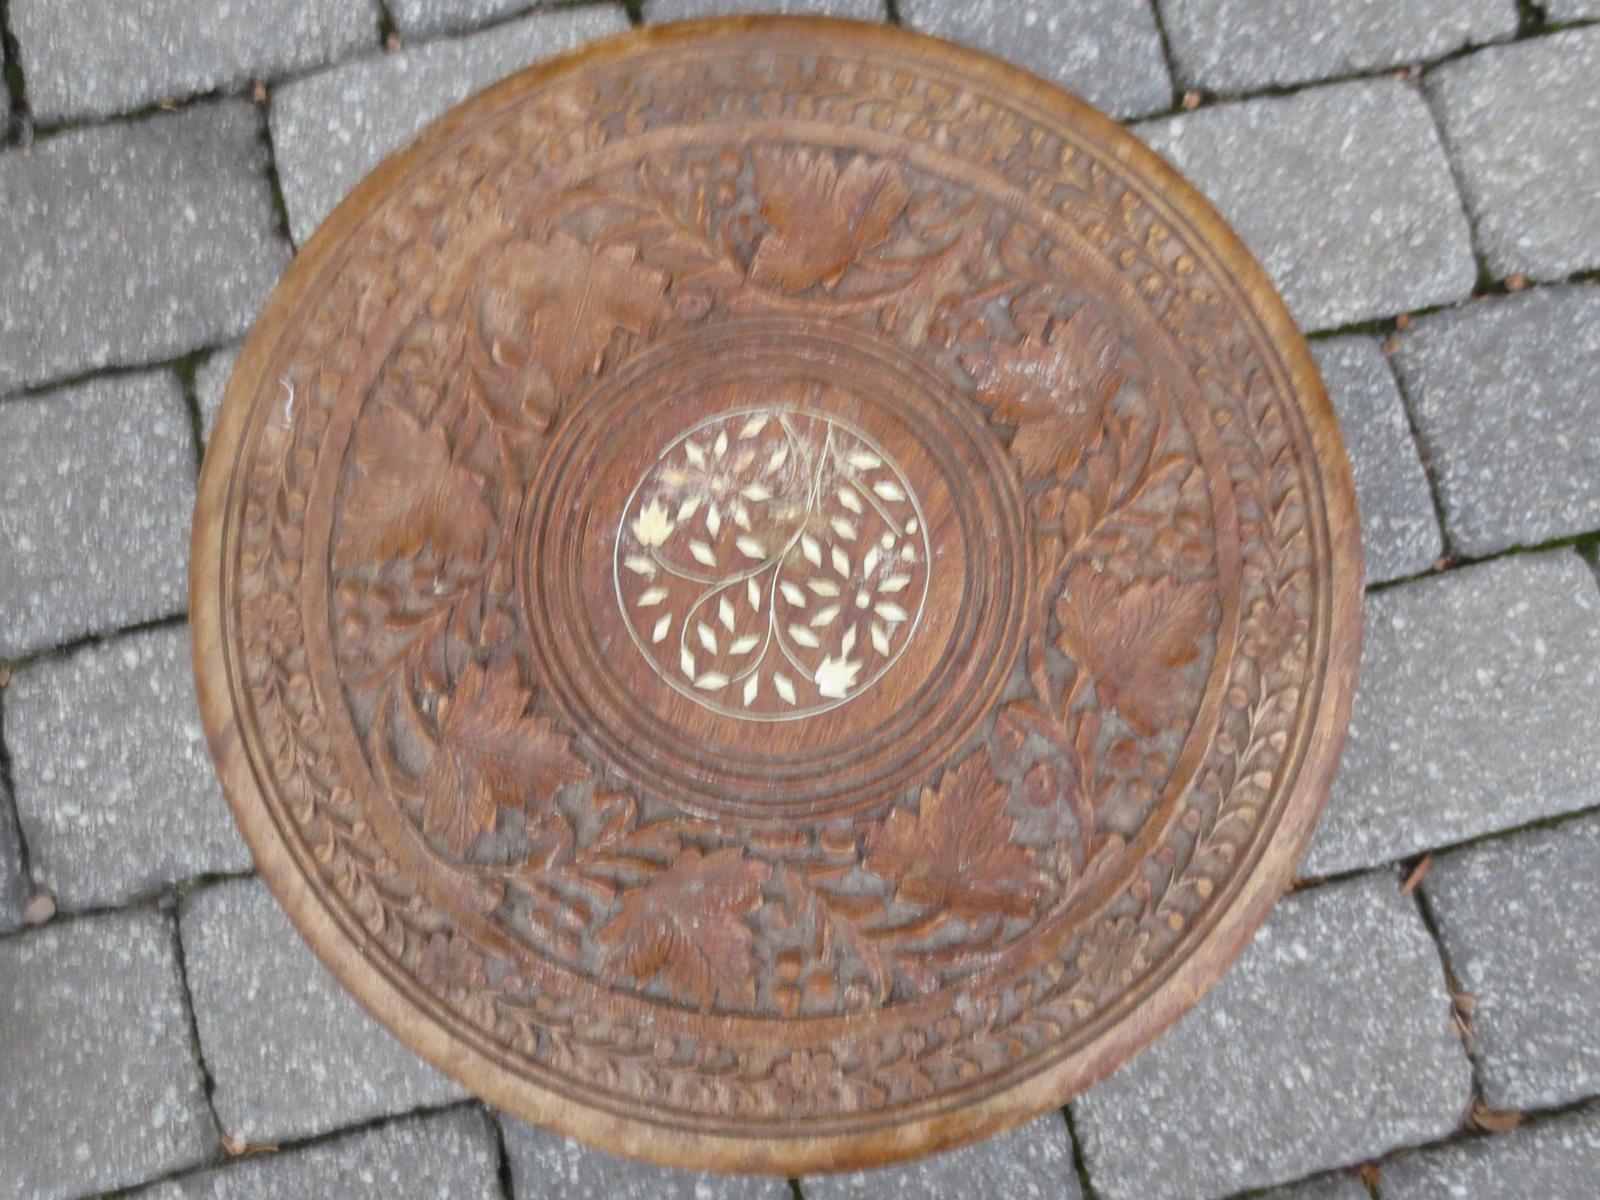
(776, 594)
(888, 585)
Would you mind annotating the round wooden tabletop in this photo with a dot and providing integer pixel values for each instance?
(776, 594)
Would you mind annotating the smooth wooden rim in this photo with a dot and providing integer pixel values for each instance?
(1183, 984)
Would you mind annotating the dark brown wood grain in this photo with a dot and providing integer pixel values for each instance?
(776, 595)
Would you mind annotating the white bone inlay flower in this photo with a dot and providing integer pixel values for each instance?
(652, 526)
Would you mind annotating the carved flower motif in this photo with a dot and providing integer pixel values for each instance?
(410, 493)
(957, 851)
(808, 1079)
(490, 753)
(1273, 632)
(1132, 638)
(686, 927)
(1055, 390)
(553, 306)
(821, 218)
(450, 964)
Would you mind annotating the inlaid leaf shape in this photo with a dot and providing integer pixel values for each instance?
(557, 303)
(491, 752)
(1054, 389)
(686, 926)
(1132, 638)
(408, 493)
(956, 852)
(821, 218)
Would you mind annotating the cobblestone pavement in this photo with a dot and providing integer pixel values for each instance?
(1417, 1021)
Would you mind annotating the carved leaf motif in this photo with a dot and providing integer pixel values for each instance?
(1131, 638)
(408, 494)
(491, 753)
(685, 925)
(957, 852)
(557, 303)
(821, 219)
(1055, 390)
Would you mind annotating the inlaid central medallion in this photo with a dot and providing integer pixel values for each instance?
(773, 563)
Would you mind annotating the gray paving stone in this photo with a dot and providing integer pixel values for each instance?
(1522, 124)
(1328, 1043)
(1328, 1187)
(1557, 1159)
(290, 1052)
(1399, 530)
(133, 242)
(441, 1156)
(91, 58)
(545, 1166)
(211, 384)
(330, 129)
(1570, 10)
(96, 492)
(657, 12)
(1507, 407)
(15, 888)
(1342, 192)
(1033, 1162)
(114, 786)
(1475, 711)
(1107, 51)
(101, 1086)
(1243, 45)
(429, 18)
(1520, 922)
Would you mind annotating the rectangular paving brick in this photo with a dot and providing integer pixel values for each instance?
(658, 11)
(1522, 124)
(101, 1087)
(1399, 529)
(1520, 922)
(330, 129)
(1107, 51)
(114, 786)
(134, 242)
(1033, 1162)
(1343, 192)
(1504, 396)
(211, 383)
(1244, 45)
(429, 18)
(290, 1052)
(1557, 1159)
(96, 492)
(1328, 1043)
(91, 58)
(1475, 711)
(1570, 10)
(444, 1156)
(545, 1166)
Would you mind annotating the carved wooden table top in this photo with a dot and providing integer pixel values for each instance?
(776, 595)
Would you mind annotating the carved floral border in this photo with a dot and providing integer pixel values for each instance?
(1023, 1021)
